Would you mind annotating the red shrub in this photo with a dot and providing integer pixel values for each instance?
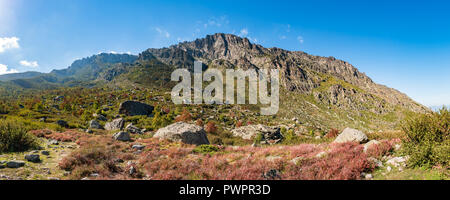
(211, 127)
(332, 133)
(184, 117)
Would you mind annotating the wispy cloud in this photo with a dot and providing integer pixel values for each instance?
(32, 64)
(162, 32)
(300, 39)
(4, 70)
(8, 43)
(243, 32)
(217, 22)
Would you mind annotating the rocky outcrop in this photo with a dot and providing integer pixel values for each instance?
(183, 132)
(133, 129)
(33, 158)
(268, 134)
(351, 135)
(132, 108)
(122, 136)
(116, 124)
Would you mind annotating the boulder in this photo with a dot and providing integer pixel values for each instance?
(116, 124)
(95, 125)
(33, 158)
(183, 132)
(132, 108)
(249, 132)
(102, 118)
(138, 147)
(15, 164)
(351, 135)
(368, 145)
(133, 129)
(62, 123)
(45, 153)
(122, 136)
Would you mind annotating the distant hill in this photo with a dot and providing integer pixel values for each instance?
(24, 75)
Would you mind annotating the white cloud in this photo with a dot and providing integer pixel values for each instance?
(283, 37)
(115, 52)
(218, 22)
(32, 64)
(163, 32)
(244, 32)
(300, 39)
(4, 70)
(8, 43)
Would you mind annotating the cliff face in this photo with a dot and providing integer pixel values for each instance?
(331, 81)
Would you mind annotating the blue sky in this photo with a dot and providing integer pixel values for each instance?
(401, 44)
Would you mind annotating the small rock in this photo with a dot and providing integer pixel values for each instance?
(132, 170)
(62, 123)
(389, 168)
(15, 164)
(118, 160)
(94, 175)
(93, 124)
(138, 147)
(272, 174)
(53, 142)
(89, 131)
(122, 136)
(296, 160)
(370, 144)
(53, 179)
(321, 154)
(46, 153)
(368, 176)
(273, 158)
(33, 158)
(85, 179)
(318, 137)
(397, 161)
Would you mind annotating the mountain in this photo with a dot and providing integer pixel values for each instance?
(321, 92)
(24, 75)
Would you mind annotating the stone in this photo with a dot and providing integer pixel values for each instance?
(122, 136)
(389, 168)
(116, 124)
(101, 118)
(53, 142)
(183, 132)
(33, 158)
(272, 174)
(62, 123)
(296, 160)
(15, 164)
(368, 176)
(351, 135)
(397, 161)
(46, 153)
(321, 154)
(269, 134)
(95, 125)
(138, 147)
(368, 145)
(377, 162)
(133, 129)
(132, 108)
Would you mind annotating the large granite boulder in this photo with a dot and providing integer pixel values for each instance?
(183, 132)
(122, 136)
(132, 108)
(116, 124)
(269, 134)
(351, 135)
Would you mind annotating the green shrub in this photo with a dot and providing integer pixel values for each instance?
(428, 139)
(258, 138)
(206, 148)
(15, 137)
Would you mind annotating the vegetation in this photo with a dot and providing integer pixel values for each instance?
(14, 137)
(428, 139)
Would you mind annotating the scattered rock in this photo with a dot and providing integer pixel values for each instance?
(138, 147)
(369, 145)
(272, 174)
(397, 161)
(270, 135)
(46, 153)
(368, 176)
(116, 124)
(297, 160)
(273, 158)
(389, 168)
(318, 137)
(183, 132)
(94, 175)
(101, 118)
(133, 129)
(15, 164)
(122, 136)
(62, 123)
(132, 170)
(33, 158)
(95, 125)
(321, 154)
(89, 131)
(53, 179)
(132, 108)
(377, 162)
(351, 135)
(53, 142)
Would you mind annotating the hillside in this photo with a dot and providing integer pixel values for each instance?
(319, 92)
